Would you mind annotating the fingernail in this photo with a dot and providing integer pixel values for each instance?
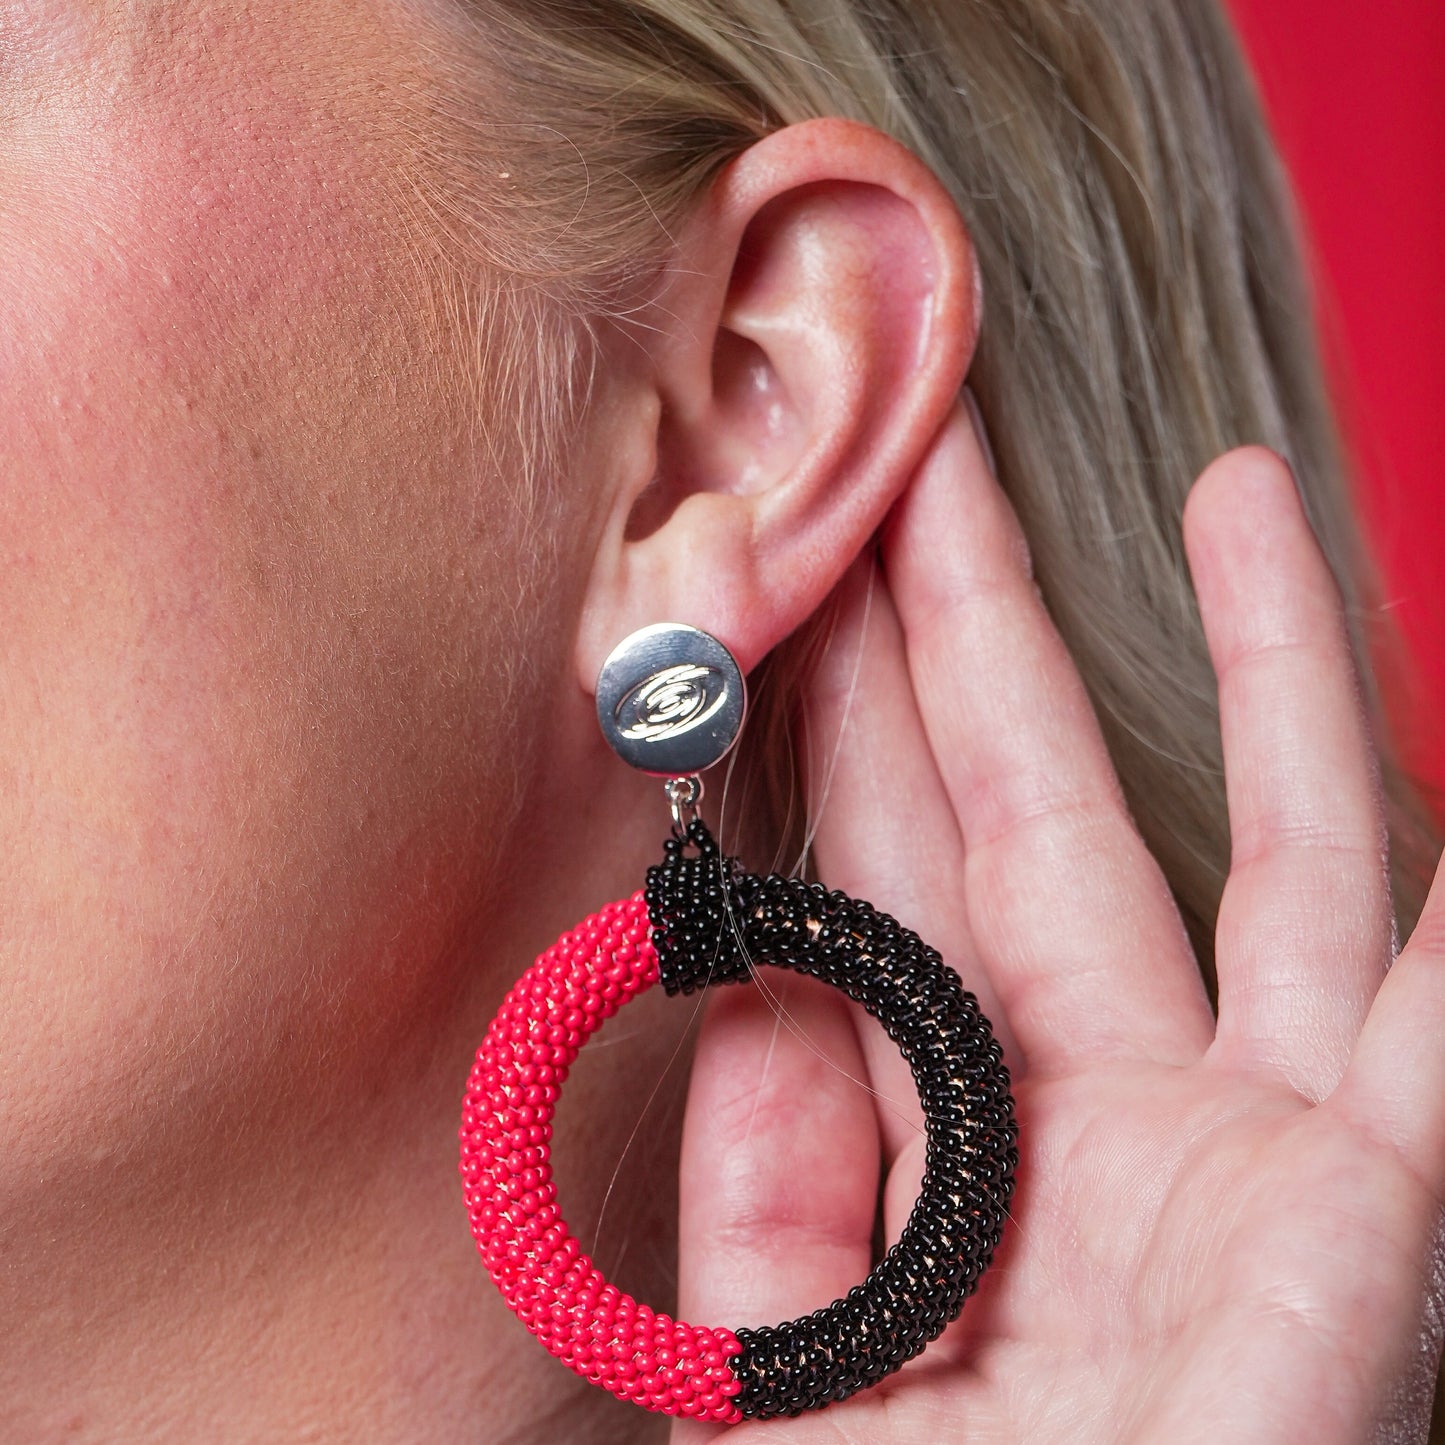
(979, 429)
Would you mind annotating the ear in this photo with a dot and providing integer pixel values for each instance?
(813, 327)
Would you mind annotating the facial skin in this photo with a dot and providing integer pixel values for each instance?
(260, 753)
(230, 688)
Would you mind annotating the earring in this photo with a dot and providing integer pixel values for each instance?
(670, 700)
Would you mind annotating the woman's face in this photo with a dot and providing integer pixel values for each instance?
(254, 758)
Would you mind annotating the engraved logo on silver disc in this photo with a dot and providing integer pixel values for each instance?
(674, 701)
(670, 700)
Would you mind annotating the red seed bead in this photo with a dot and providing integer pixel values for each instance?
(554, 1288)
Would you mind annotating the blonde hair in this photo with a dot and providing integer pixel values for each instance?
(1144, 302)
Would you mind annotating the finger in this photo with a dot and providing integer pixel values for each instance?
(885, 830)
(1304, 929)
(1069, 911)
(1394, 1087)
(779, 1172)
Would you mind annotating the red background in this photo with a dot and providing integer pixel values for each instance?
(1357, 96)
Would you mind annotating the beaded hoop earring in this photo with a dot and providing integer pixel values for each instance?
(671, 700)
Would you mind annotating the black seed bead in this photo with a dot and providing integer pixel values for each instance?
(711, 921)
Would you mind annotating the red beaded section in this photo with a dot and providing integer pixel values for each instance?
(549, 1282)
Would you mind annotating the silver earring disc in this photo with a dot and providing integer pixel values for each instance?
(671, 700)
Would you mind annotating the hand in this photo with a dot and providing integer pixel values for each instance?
(1221, 1231)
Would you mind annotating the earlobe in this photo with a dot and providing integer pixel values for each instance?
(814, 328)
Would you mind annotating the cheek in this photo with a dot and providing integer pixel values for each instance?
(249, 582)
(172, 443)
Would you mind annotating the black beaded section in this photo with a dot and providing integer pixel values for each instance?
(711, 922)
